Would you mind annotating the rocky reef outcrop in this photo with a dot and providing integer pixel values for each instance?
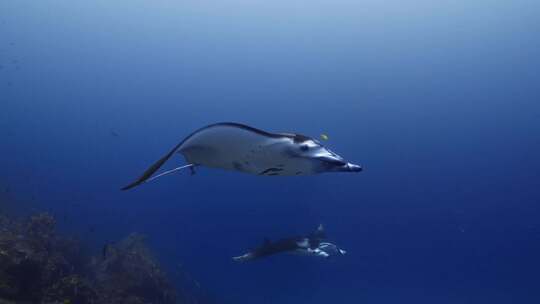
(127, 273)
(38, 266)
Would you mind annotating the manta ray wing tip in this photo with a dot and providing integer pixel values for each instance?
(130, 186)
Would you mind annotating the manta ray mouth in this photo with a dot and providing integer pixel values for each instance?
(353, 167)
(331, 161)
(335, 164)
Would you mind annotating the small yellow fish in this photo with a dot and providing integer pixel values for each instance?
(324, 137)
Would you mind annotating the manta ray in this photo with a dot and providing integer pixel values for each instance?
(238, 147)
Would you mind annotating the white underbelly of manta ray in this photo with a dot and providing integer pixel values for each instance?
(242, 148)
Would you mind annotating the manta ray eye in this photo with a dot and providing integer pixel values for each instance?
(304, 147)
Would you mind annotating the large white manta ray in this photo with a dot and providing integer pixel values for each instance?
(234, 146)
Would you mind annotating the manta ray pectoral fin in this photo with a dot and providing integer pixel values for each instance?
(191, 166)
(148, 173)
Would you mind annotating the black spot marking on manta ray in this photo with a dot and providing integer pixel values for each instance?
(298, 172)
(299, 138)
(270, 170)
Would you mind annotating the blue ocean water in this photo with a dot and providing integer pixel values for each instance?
(438, 100)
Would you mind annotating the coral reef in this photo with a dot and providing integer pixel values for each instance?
(32, 258)
(127, 273)
(37, 266)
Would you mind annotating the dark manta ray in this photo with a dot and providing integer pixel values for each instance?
(234, 146)
(312, 244)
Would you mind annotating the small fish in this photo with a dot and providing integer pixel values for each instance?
(324, 137)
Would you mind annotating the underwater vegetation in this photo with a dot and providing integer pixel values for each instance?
(39, 266)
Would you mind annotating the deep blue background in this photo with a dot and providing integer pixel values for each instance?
(438, 100)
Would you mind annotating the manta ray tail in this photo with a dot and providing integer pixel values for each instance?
(148, 173)
(191, 166)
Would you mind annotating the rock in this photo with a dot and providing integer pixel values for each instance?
(37, 266)
(128, 273)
